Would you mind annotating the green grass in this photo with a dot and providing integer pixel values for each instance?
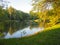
(51, 36)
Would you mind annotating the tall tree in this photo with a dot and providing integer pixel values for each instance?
(47, 10)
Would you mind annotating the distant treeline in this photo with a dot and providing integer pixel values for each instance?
(13, 14)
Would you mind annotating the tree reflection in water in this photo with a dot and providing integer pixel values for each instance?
(11, 27)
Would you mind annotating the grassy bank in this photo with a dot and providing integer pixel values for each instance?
(51, 36)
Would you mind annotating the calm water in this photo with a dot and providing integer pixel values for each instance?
(24, 32)
(17, 29)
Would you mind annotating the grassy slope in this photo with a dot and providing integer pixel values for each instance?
(50, 36)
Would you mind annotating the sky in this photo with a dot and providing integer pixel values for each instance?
(23, 5)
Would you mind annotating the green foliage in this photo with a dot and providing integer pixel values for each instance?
(48, 11)
(13, 14)
(33, 16)
(1, 34)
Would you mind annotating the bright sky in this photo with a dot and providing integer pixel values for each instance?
(23, 5)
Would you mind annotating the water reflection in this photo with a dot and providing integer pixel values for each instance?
(17, 29)
(24, 32)
(11, 27)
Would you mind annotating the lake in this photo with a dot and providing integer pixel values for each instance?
(24, 32)
(18, 29)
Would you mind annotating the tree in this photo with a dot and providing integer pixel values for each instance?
(48, 11)
(33, 16)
